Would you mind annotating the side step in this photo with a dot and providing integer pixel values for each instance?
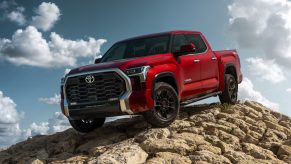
(187, 102)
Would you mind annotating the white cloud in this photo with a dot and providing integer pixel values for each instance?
(263, 26)
(246, 91)
(38, 129)
(288, 90)
(28, 47)
(55, 124)
(80, 48)
(47, 15)
(10, 134)
(58, 123)
(9, 121)
(8, 111)
(55, 100)
(10, 131)
(266, 69)
(67, 70)
(17, 16)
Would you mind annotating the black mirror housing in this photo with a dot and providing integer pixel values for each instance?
(187, 48)
(98, 60)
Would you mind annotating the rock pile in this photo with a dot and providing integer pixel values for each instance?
(243, 133)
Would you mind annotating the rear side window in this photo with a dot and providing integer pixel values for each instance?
(197, 40)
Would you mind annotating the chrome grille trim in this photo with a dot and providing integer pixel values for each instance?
(124, 98)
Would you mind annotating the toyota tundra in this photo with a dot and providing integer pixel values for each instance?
(152, 75)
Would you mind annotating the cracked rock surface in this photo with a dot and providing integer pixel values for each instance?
(243, 133)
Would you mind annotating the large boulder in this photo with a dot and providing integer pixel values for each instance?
(179, 146)
(168, 157)
(258, 152)
(207, 156)
(125, 152)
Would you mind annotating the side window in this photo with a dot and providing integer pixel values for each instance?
(178, 41)
(197, 40)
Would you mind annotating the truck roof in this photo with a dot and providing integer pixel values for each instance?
(162, 33)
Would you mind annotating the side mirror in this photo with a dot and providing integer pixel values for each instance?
(187, 48)
(98, 60)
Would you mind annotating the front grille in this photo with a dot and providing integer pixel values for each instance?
(108, 86)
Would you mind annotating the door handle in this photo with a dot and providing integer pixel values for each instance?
(196, 61)
(214, 58)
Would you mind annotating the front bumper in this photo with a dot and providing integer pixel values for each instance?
(96, 111)
(111, 108)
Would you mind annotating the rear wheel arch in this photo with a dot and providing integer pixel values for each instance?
(230, 69)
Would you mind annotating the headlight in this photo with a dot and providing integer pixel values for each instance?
(138, 71)
(133, 71)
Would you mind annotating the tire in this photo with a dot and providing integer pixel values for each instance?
(229, 95)
(166, 107)
(86, 126)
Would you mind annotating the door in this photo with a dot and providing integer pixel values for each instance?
(208, 63)
(189, 67)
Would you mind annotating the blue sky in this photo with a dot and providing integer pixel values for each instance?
(39, 40)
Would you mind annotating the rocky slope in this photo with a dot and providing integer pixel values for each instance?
(244, 133)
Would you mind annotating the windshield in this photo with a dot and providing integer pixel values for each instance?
(138, 48)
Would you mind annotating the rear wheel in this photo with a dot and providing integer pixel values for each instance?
(87, 125)
(229, 95)
(166, 107)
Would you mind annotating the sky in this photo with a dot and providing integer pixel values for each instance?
(41, 41)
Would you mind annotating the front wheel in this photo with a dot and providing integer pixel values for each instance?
(166, 107)
(229, 95)
(87, 125)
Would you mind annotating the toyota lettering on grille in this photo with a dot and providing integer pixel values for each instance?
(89, 79)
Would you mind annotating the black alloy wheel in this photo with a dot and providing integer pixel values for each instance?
(166, 107)
(165, 103)
(229, 95)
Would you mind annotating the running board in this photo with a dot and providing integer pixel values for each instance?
(187, 102)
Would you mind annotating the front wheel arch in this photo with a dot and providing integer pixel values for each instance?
(166, 77)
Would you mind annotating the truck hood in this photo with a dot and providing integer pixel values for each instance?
(125, 64)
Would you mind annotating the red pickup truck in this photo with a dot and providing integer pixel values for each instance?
(152, 75)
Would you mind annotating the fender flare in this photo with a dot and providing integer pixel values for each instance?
(162, 75)
(230, 65)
